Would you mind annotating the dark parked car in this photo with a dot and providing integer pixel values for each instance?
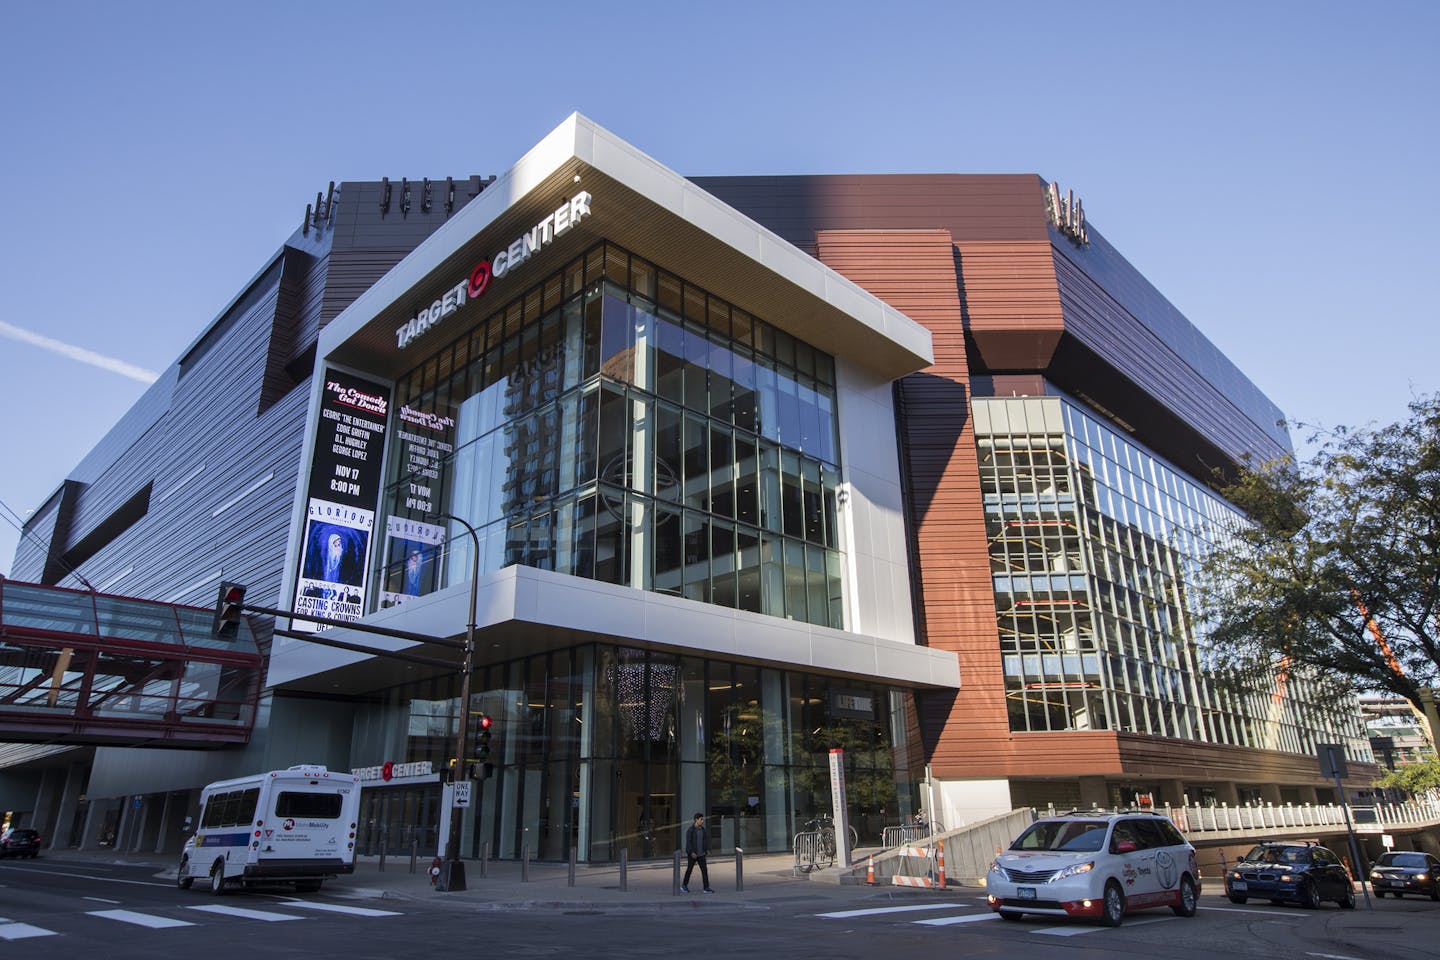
(20, 842)
(1300, 872)
(1402, 873)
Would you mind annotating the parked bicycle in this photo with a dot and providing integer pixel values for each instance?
(824, 825)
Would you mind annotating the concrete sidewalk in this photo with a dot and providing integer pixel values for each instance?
(768, 879)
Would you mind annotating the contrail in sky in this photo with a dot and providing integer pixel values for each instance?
(78, 353)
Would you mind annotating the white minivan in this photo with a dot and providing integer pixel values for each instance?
(286, 826)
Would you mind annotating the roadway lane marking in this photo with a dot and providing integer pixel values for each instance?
(86, 876)
(338, 908)
(948, 921)
(1077, 931)
(139, 919)
(1254, 911)
(247, 914)
(100, 900)
(20, 931)
(1332, 956)
(844, 914)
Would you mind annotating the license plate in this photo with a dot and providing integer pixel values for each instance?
(1025, 893)
(1239, 885)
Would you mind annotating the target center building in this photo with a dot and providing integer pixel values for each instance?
(722, 505)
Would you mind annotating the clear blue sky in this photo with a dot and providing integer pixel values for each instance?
(1268, 165)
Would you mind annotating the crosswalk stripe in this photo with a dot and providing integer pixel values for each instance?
(1078, 930)
(139, 919)
(951, 921)
(339, 908)
(247, 914)
(20, 931)
(873, 911)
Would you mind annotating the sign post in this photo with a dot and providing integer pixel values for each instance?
(838, 804)
(1332, 764)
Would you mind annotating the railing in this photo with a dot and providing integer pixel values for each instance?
(812, 852)
(908, 833)
(1194, 819)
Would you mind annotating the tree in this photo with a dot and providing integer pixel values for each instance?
(1339, 568)
(1417, 778)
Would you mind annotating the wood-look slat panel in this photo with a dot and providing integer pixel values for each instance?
(914, 271)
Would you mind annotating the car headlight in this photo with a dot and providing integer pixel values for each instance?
(1422, 876)
(995, 866)
(1235, 875)
(1075, 869)
(1374, 876)
(1287, 878)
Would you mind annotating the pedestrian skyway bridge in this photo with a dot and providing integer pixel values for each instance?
(82, 668)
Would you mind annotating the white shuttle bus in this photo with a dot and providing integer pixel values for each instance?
(287, 826)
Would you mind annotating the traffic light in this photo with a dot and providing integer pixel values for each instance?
(228, 608)
(482, 739)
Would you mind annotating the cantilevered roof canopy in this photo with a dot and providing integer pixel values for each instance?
(654, 212)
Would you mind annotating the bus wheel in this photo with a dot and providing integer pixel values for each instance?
(183, 880)
(217, 878)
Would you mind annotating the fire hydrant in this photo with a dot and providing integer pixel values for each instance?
(434, 870)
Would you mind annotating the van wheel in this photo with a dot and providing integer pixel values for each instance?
(1188, 899)
(1113, 905)
(307, 886)
(217, 879)
(183, 880)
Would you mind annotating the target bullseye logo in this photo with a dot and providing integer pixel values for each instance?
(480, 278)
(387, 771)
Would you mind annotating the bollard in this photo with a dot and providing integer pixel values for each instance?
(739, 870)
(485, 858)
(525, 864)
(624, 865)
(574, 853)
(675, 876)
(382, 854)
(414, 851)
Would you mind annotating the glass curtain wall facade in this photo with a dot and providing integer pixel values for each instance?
(618, 423)
(1091, 543)
(609, 748)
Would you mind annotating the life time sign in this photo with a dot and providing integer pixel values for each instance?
(537, 238)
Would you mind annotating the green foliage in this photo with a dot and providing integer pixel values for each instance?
(1341, 548)
(1414, 777)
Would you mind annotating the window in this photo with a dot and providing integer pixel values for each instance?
(311, 806)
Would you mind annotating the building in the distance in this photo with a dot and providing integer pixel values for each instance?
(749, 469)
(1398, 732)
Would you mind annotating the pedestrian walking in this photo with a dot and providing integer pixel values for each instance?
(696, 846)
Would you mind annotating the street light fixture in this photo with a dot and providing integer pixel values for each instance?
(452, 870)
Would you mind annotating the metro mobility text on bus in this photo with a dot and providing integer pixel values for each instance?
(286, 826)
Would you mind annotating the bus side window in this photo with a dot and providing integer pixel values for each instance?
(208, 815)
(228, 806)
(245, 812)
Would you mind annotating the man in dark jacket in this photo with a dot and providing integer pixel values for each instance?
(696, 846)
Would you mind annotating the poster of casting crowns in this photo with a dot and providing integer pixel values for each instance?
(343, 493)
(412, 559)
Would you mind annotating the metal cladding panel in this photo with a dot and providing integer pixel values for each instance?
(988, 207)
(1163, 354)
(1026, 290)
(915, 271)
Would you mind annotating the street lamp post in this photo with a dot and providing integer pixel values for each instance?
(452, 872)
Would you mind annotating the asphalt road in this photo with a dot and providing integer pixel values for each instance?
(116, 912)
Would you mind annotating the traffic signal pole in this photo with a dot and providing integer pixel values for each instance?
(452, 871)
